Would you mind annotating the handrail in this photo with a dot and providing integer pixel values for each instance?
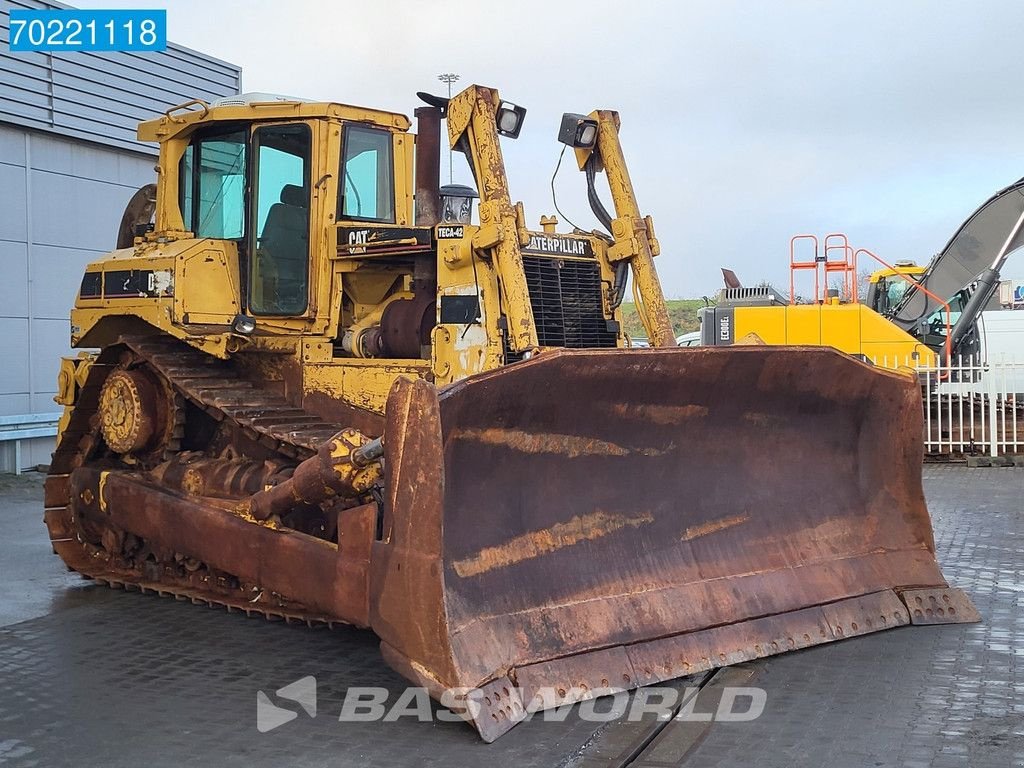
(19, 427)
(847, 265)
(25, 419)
(795, 265)
(185, 104)
(943, 302)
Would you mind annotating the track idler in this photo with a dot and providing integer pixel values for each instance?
(346, 465)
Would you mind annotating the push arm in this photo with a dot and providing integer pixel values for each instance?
(472, 126)
(633, 233)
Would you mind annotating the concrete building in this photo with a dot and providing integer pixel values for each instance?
(69, 162)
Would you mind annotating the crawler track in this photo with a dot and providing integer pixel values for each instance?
(217, 388)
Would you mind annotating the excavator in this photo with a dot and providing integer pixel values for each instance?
(929, 315)
(312, 388)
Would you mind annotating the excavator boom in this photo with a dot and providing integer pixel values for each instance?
(976, 252)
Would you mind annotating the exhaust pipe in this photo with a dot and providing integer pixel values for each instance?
(428, 166)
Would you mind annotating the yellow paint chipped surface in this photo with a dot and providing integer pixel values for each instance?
(568, 446)
(536, 543)
(696, 531)
(661, 414)
(545, 442)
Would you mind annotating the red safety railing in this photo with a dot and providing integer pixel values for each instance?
(918, 286)
(845, 264)
(834, 256)
(795, 264)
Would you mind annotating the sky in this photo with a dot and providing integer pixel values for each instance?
(743, 123)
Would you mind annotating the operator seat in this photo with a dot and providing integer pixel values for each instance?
(285, 243)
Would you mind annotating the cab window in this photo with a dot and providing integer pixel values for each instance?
(211, 183)
(279, 269)
(889, 293)
(367, 176)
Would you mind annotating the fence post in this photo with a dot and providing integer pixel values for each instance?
(993, 420)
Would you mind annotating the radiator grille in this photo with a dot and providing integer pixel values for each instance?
(566, 299)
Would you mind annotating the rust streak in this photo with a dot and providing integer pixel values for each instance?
(542, 542)
(697, 531)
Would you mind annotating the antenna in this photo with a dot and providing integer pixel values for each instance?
(449, 78)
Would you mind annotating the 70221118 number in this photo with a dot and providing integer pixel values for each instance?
(79, 30)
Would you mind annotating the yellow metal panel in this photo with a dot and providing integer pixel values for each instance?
(803, 324)
(888, 344)
(174, 122)
(362, 383)
(206, 284)
(769, 323)
(404, 155)
(912, 270)
(841, 327)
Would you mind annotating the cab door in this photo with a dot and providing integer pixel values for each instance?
(279, 258)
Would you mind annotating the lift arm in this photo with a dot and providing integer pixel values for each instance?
(634, 237)
(473, 128)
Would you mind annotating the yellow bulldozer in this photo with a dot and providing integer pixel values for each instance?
(318, 390)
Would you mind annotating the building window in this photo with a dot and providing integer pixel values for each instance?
(368, 181)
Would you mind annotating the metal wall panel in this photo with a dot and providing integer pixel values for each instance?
(75, 193)
(14, 268)
(12, 209)
(102, 97)
(14, 379)
(77, 212)
(69, 162)
(12, 146)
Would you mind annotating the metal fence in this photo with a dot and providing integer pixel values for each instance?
(971, 407)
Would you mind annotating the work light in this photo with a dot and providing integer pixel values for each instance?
(578, 131)
(243, 325)
(510, 119)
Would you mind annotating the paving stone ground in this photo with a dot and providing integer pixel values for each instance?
(90, 676)
(947, 696)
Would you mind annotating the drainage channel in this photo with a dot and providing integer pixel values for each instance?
(668, 739)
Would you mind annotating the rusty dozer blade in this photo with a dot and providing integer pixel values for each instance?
(589, 521)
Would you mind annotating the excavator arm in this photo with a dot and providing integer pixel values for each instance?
(975, 253)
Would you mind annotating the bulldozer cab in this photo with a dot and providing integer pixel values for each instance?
(270, 186)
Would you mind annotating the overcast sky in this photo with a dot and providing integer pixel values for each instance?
(743, 122)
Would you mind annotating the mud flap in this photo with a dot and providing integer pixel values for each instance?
(594, 520)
